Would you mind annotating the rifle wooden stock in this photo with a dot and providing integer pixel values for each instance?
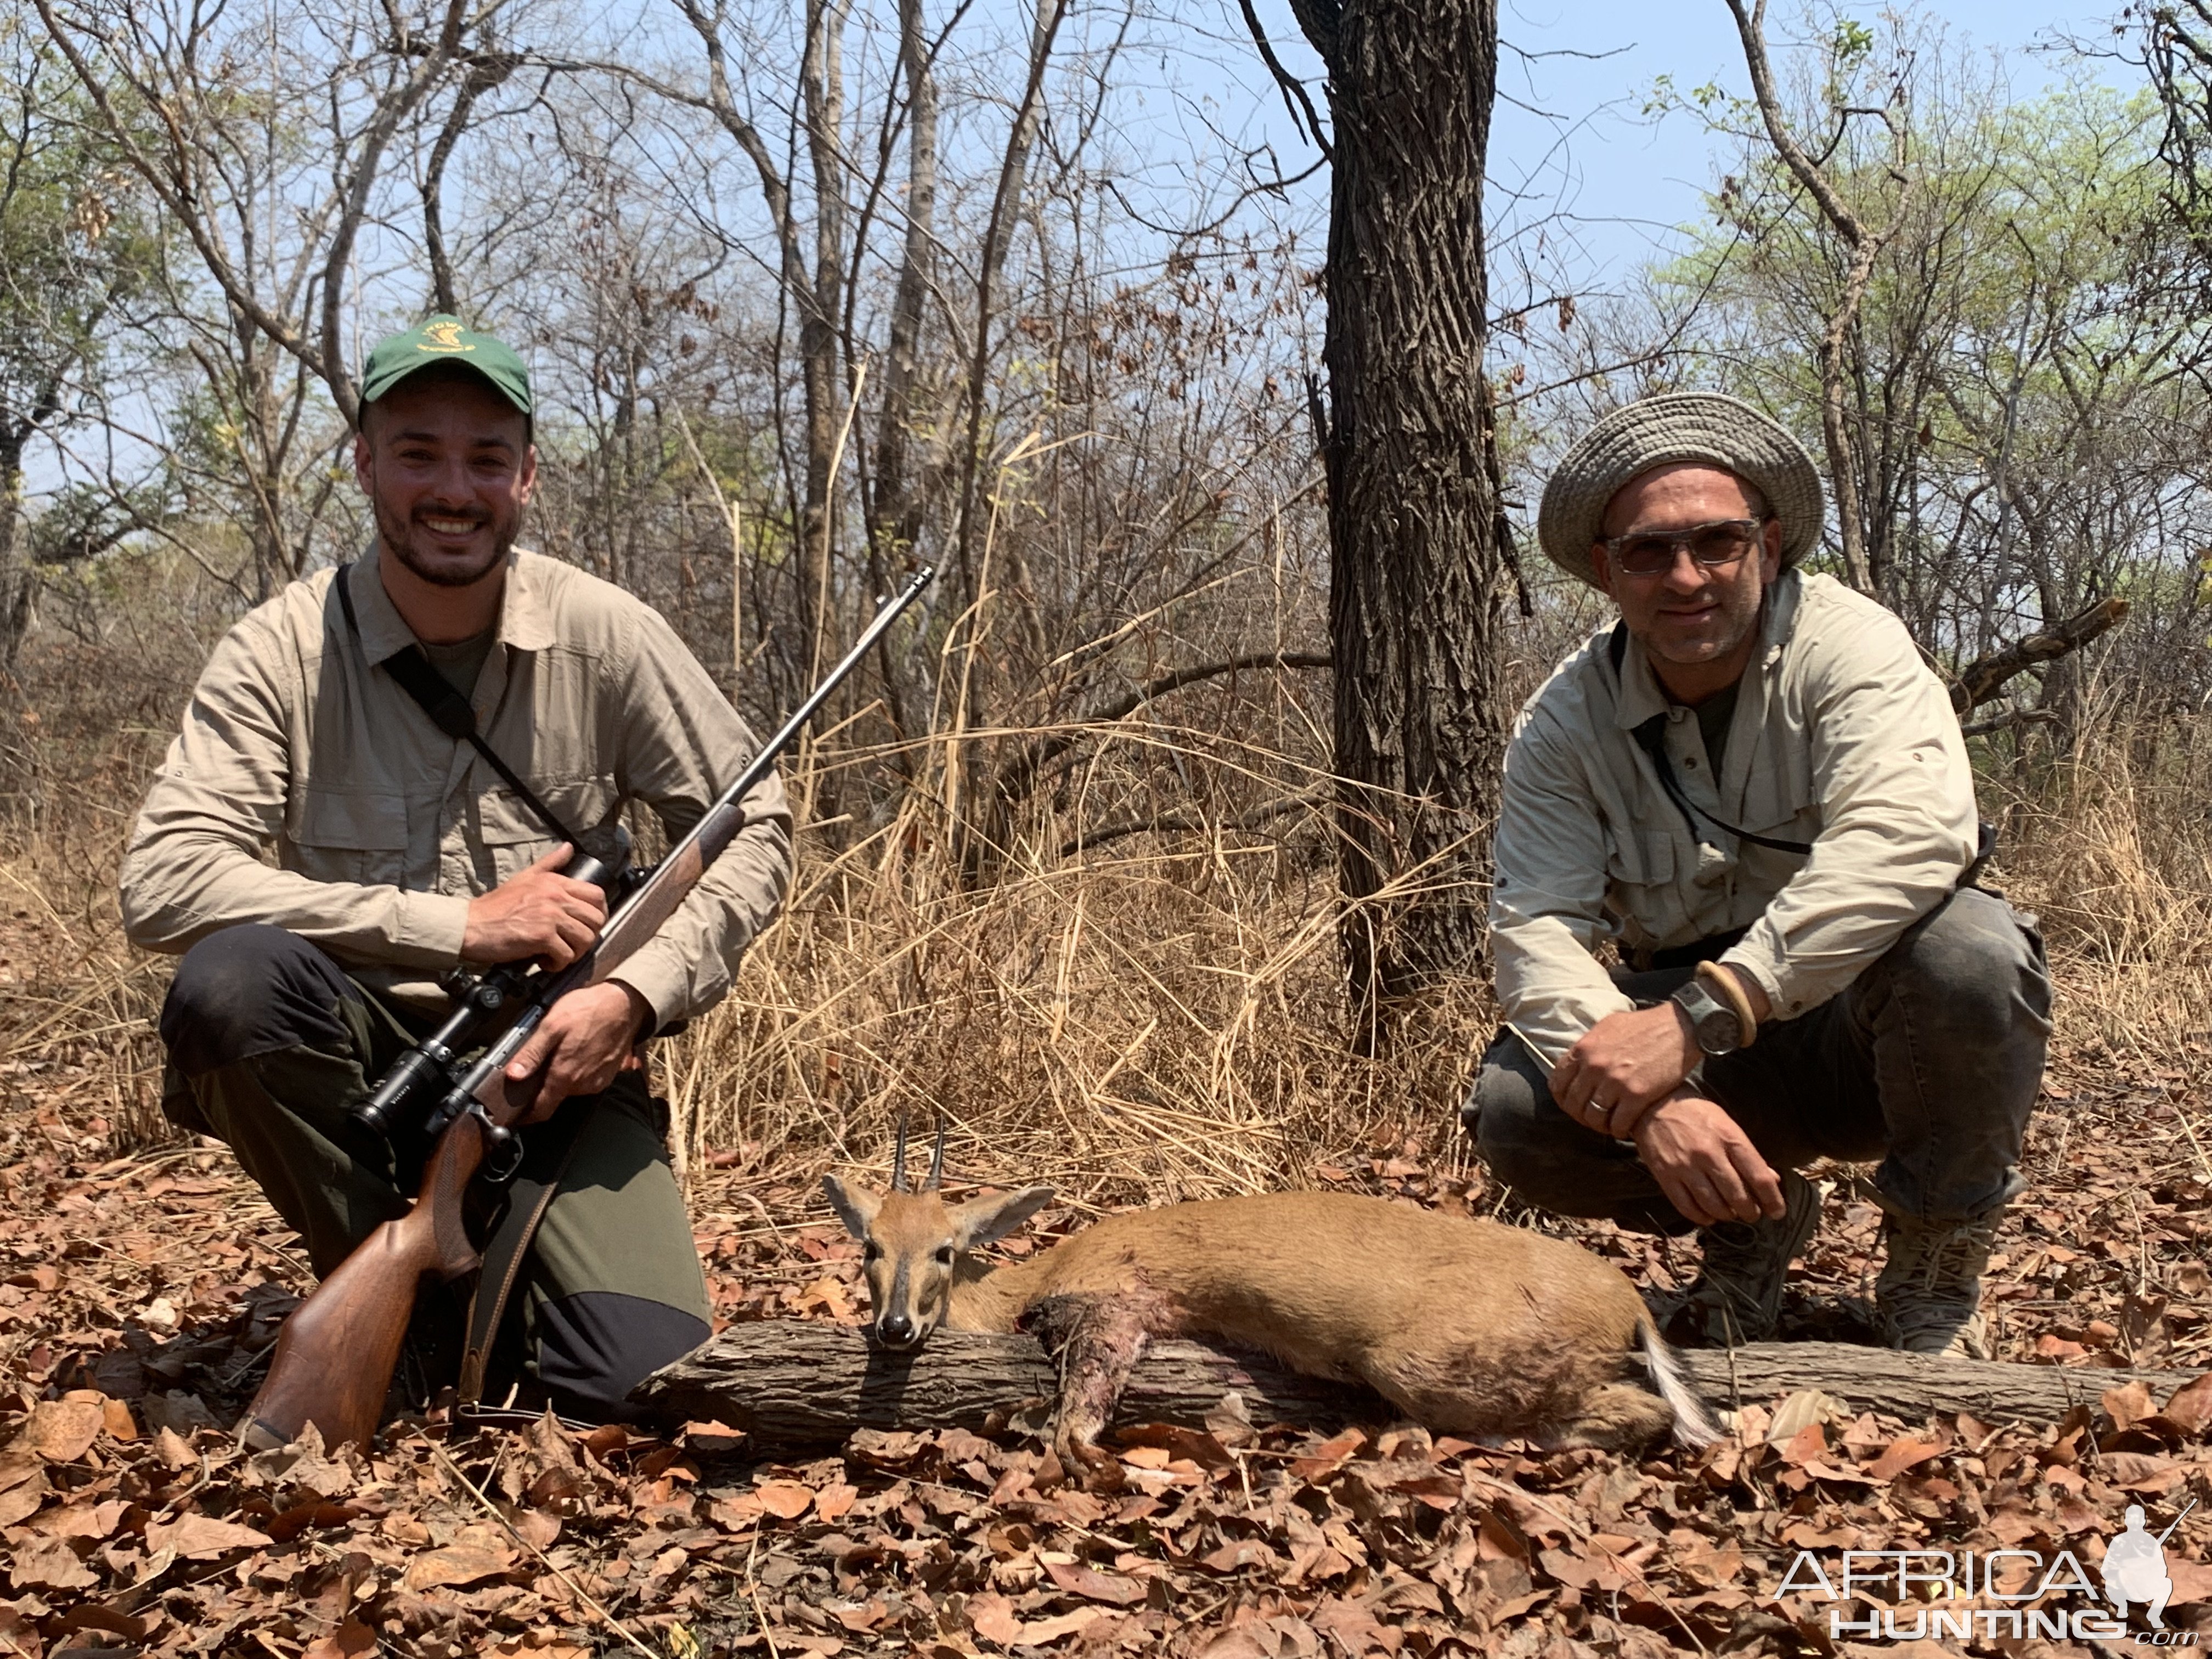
(335, 1353)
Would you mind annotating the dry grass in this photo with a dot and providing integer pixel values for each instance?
(1157, 1017)
(2111, 846)
(1160, 1016)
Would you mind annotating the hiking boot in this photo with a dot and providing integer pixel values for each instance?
(1738, 1296)
(1930, 1294)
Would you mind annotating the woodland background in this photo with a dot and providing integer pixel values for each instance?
(1108, 856)
(813, 294)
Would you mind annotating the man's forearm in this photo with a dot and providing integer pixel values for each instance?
(176, 890)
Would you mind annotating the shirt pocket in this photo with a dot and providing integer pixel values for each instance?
(1778, 798)
(1639, 883)
(350, 836)
(514, 838)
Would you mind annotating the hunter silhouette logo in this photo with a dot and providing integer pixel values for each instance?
(443, 336)
(2135, 1567)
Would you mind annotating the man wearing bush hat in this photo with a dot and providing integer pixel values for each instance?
(1754, 789)
(403, 853)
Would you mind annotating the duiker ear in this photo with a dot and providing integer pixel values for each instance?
(981, 1220)
(856, 1206)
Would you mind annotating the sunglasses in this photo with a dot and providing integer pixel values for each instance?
(1712, 546)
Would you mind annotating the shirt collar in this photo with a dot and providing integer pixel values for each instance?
(525, 619)
(1641, 696)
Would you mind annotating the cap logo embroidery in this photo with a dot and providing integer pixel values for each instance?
(441, 336)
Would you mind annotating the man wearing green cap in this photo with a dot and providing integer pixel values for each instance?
(401, 855)
(1754, 790)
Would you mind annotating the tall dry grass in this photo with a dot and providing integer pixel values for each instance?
(2110, 844)
(1159, 1015)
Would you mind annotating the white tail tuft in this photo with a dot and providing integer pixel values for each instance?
(1693, 1428)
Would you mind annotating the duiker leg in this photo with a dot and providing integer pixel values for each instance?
(1096, 1340)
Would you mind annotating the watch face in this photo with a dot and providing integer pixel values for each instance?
(1714, 1023)
(1720, 1032)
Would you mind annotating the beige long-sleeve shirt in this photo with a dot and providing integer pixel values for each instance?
(383, 827)
(1842, 738)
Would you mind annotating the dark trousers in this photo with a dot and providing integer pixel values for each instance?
(1930, 1061)
(272, 1046)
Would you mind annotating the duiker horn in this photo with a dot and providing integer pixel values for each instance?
(936, 1160)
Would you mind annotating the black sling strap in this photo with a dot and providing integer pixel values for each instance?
(1651, 738)
(451, 713)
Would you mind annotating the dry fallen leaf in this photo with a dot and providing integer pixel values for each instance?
(63, 1430)
(786, 1500)
(197, 1537)
(1093, 1586)
(455, 1564)
(991, 1616)
(351, 1640)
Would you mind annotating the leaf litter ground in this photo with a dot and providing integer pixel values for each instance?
(139, 1295)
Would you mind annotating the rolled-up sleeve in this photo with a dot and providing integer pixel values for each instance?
(194, 861)
(681, 745)
(1547, 905)
(1898, 819)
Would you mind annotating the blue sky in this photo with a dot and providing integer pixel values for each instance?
(1568, 127)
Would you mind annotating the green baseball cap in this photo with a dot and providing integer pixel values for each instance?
(445, 339)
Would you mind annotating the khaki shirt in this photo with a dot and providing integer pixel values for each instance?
(384, 828)
(1842, 738)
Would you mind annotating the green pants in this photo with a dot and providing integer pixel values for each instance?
(272, 1046)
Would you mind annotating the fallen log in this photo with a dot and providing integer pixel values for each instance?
(805, 1382)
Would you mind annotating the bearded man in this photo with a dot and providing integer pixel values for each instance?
(403, 855)
(1754, 789)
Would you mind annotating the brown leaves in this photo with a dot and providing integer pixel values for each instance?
(201, 1537)
(63, 1430)
(457, 1565)
(786, 1500)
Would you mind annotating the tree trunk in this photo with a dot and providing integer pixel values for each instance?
(898, 502)
(795, 1382)
(18, 580)
(1415, 608)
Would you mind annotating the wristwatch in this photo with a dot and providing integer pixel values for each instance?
(1717, 1026)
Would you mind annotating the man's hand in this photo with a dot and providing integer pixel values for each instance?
(1706, 1164)
(1621, 1066)
(585, 1038)
(540, 912)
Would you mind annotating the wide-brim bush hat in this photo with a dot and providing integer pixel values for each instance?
(1672, 427)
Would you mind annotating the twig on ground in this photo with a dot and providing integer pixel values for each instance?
(582, 1594)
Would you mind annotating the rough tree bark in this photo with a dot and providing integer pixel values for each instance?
(1415, 606)
(806, 1382)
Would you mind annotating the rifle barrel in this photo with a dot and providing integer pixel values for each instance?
(546, 989)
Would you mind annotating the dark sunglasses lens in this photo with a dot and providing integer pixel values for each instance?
(1647, 555)
(1720, 544)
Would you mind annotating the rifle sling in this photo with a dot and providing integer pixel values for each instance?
(527, 1198)
(451, 713)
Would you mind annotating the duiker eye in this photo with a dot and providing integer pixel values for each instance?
(944, 1256)
(870, 1251)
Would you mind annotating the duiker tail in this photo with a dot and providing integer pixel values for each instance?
(1693, 1427)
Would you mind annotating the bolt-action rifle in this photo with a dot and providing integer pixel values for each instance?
(336, 1351)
